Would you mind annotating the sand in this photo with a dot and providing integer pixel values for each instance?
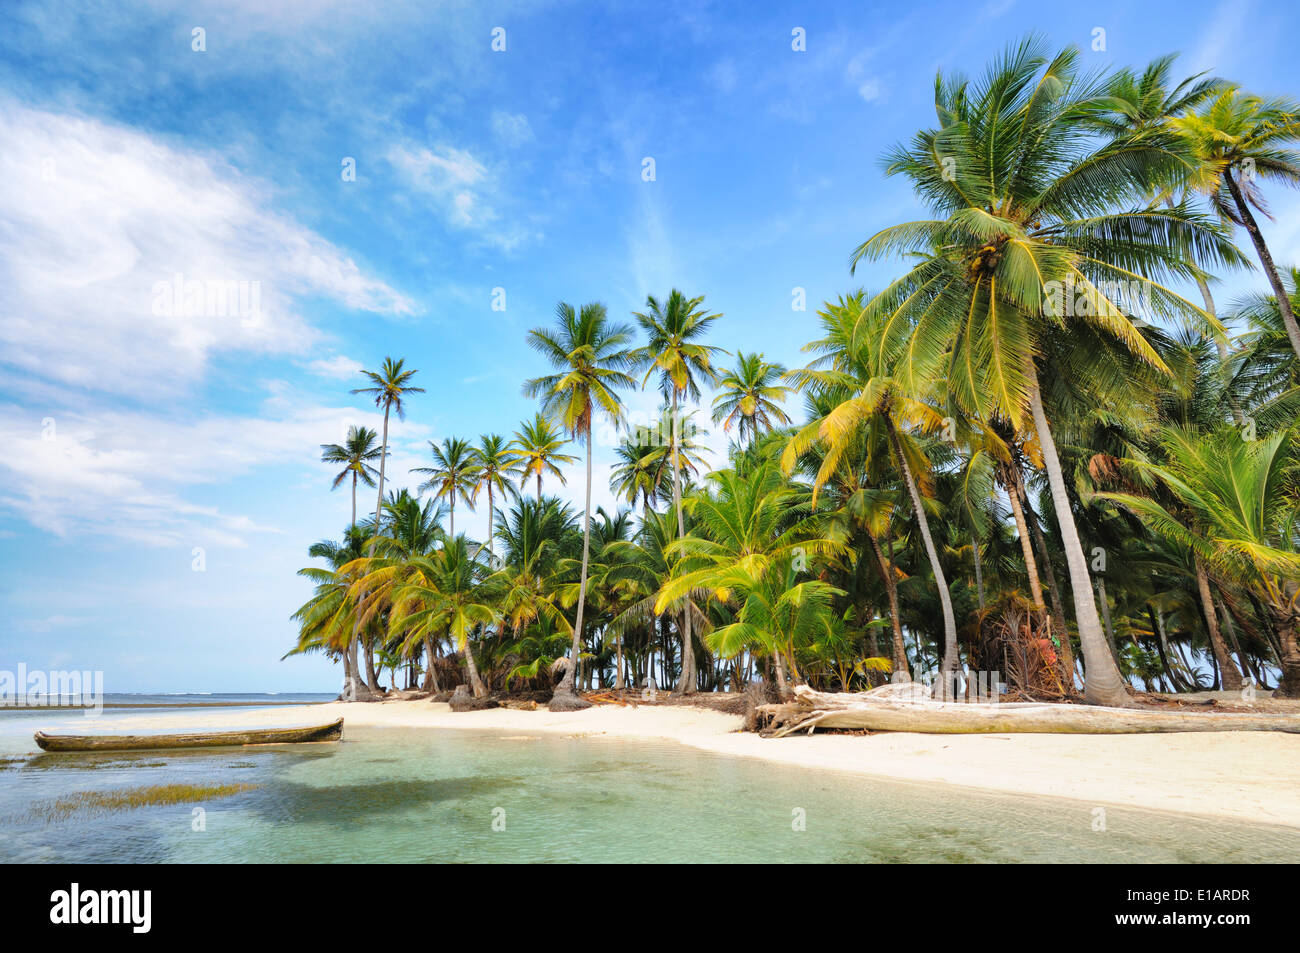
(1250, 776)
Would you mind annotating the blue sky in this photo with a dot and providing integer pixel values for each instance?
(134, 436)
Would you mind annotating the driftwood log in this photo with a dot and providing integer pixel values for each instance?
(212, 739)
(909, 708)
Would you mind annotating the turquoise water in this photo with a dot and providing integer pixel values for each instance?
(400, 795)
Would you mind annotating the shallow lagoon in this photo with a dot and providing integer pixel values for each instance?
(409, 795)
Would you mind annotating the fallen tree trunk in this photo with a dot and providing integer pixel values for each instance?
(903, 708)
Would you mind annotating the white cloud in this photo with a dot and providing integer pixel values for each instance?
(511, 128)
(870, 90)
(461, 187)
(130, 474)
(96, 223)
(339, 367)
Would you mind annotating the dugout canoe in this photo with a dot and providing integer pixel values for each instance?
(207, 739)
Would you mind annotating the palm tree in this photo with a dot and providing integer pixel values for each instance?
(1136, 105)
(454, 474)
(451, 592)
(863, 377)
(673, 352)
(749, 528)
(355, 453)
(1244, 498)
(411, 529)
(1026, 240)
(639, 469)
(496, 465)
(389, 388)
(537, 446)
(1238, 139)
(591, 359)
(328, 620)
(750, 397)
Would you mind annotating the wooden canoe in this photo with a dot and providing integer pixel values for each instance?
(215, 739)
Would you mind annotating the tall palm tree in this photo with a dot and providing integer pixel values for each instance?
(355, 453)
(389, 388)
(496, 465)
(1140, 104)
(863, 377)
(537, 446)
(1239, 139)
(674, 354)
(1027, 239)
(455, 473)
(750, 397)
(591, 358)
(1244, 499)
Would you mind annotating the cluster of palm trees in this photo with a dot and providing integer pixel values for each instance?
(1031, 418)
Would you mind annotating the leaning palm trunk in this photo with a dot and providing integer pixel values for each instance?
(1102, 684)
(565, 698)
(1283, 612)
(686, 685)
(1266, 260)
(1014, 491)
(430, 673)
(1053, 590)
(948, 663)
(1229, 675)
(372, 677)
(475, 683)
(900, 673)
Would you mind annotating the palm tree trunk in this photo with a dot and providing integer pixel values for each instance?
(372, 677)
(899, 649)
(1026, 545)
(539, 485)
(354, 497)
(686, 685)
(1162, 646)
(566, 687)
(1105, 619)
(1053, 591)
(348, 688)
(430, 675)
(778, 668)
(1229, 675)
(948, 664)
(383, 460)
(475, 683)
(1230, 631)
(1102, 684)
(492, 555)
(1265, 259)
(1284, 621)
(453, 514)
(979, 570)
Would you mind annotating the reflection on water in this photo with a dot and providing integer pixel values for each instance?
(423, 796)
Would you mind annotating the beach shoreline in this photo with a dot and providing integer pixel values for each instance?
(1244, 776)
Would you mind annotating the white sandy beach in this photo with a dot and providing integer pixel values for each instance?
(1249, 776)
